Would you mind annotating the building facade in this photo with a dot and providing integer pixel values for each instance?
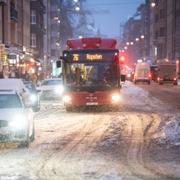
(165, 30)
(15, 27)
(37, 10)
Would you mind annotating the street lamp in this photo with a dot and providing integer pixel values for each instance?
(142, 36)
(77, 8)
(153, 4)
(127, 43)
(137, 39)
(131, 43)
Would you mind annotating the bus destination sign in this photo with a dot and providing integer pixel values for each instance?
(87, 57)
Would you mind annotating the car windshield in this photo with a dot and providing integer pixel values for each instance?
(10, 101)
(51, 82)
(30, 87)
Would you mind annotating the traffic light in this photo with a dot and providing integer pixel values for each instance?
(122, 57)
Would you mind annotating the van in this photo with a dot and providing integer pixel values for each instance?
(142, 73)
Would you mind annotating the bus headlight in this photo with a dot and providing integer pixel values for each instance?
(18, 123)
(115, 98)
(67, 99)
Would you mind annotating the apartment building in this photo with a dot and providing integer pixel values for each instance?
(15, 29)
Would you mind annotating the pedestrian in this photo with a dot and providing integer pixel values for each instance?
(33, 78)
(1, 72)
(6, 72)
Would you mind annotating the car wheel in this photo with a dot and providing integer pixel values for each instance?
(33, 134)
(115, 108)
(175, 83)
(25, 144)
(36, 109)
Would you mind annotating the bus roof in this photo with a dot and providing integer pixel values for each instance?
(91, 43)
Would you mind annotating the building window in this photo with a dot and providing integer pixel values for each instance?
(162, 31)
(33, 40)
(156, 18)
(162, 14)
(33, 17)
(156, 35)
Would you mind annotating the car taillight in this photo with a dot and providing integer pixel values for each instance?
(149, 75)
(158, 78)
(175, 79)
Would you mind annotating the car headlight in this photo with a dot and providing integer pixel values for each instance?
(19, 122)
(33, 98)
(67, 99)
(115, 98)
(59, 90)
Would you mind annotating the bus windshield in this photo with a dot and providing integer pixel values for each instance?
(96, 75)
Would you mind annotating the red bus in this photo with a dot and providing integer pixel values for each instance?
(91, 73)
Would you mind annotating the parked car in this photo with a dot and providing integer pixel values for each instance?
(23, 89)
(16, 119)
(51, 88)
(34, 95)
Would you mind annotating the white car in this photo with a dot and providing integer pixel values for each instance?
(16, 119)
(13, 84)
(23, 88)
(51, 88)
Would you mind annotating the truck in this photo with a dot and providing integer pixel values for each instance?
(91, 73)
(167, 73)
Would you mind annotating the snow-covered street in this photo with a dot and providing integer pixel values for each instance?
(140, 141)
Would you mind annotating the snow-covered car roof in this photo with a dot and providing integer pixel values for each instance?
(12, 84)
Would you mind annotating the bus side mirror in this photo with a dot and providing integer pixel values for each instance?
(123, 77)
(58, 64)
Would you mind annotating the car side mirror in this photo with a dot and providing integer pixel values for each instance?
(123, 77)
(58, 64)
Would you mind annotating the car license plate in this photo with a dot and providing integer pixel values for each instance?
(91, 103)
